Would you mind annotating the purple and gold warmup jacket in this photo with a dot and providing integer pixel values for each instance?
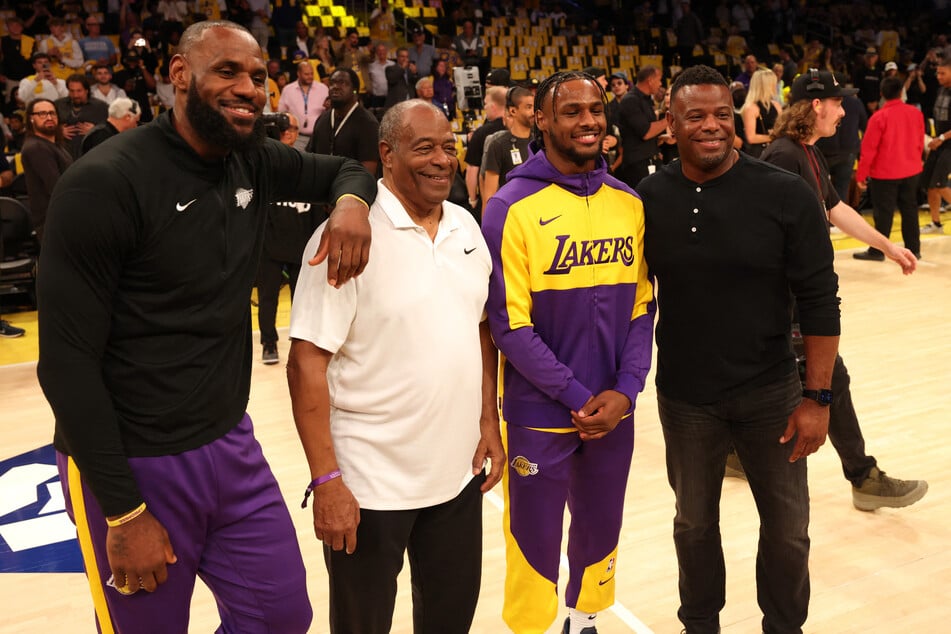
(570, 306)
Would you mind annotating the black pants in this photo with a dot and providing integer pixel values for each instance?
(445, 557)
(902, 194)
(270, 278)
(633, 172)
(844, 431)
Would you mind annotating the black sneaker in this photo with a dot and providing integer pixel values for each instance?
(269, 355)
(10, 331)
(874, 256)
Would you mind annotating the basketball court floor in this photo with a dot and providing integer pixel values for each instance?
(886, 571)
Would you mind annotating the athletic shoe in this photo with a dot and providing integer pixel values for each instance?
(734, 468)
(880, 491)
(587, 630)
(269, 355)
(932, 228)
(10, 331)
(875, 256)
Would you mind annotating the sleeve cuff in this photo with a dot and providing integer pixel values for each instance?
(630, 386)
(575, 395)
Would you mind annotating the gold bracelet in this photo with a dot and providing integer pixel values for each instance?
(354, 196)
(128, 517)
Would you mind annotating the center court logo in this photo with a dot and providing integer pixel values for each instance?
(524, 467)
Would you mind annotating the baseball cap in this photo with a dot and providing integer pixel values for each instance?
(594, 71)
(498, 77)
(619, 75)
(891, 66)
(818, 84)
(871, 50)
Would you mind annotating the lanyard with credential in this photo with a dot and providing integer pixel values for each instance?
(305, 96)
(336, 128)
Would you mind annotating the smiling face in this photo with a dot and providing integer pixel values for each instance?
(701, 118)
(419, 168)
(222, 81)
(573, 124)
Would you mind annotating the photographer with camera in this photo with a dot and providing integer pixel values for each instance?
(136, 77)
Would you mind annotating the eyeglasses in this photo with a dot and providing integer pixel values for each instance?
(49, 114)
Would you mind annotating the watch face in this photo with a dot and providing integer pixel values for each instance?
(823, 397)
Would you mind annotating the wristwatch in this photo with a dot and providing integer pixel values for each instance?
(822, 397)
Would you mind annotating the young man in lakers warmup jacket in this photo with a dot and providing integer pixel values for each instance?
(571, 309)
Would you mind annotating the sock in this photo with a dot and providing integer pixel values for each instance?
(579, 620)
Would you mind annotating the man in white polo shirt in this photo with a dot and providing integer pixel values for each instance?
(393, 385)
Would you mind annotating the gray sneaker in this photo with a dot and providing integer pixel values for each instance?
(880, 491)
(734, 468)
(932, 228)
(269, 355)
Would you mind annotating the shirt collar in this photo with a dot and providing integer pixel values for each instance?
(394, 210)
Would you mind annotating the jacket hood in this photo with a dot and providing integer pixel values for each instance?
(539, 168)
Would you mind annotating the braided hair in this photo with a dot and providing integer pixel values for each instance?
(550, 86)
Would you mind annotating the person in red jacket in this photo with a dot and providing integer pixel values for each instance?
(891, 161)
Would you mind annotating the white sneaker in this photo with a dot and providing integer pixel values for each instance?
(932, 228)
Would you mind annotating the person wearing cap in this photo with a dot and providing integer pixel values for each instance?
(815, 110)
(619, 87)
(136, 79)
(639, 126)
(891, 161)
(711, 219)
(422, 54)
(498, 77)
(868, 77)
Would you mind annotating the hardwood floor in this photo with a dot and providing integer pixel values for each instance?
(887, 571)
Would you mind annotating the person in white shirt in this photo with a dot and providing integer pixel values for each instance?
(103, 89)
(377, 72)
(393, 387)
(44, 84)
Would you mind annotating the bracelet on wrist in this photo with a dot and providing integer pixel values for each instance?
(127, 517)
(316, 482)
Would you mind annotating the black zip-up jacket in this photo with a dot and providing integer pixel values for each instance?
(144, 290)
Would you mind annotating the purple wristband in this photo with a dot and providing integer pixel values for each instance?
(316, 482)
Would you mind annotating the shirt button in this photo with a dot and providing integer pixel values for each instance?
(696, 211)
(698, 189)
(693, 230)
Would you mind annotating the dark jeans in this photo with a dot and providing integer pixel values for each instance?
(902, 194)
(698, 438)
(444, 543)
(270, 278)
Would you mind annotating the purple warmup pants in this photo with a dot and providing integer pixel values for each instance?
(227, 524)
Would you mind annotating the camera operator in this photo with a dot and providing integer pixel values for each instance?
(136, 78)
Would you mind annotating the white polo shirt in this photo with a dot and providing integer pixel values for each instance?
(406, 377)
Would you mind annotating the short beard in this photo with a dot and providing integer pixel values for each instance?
(215, 130)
